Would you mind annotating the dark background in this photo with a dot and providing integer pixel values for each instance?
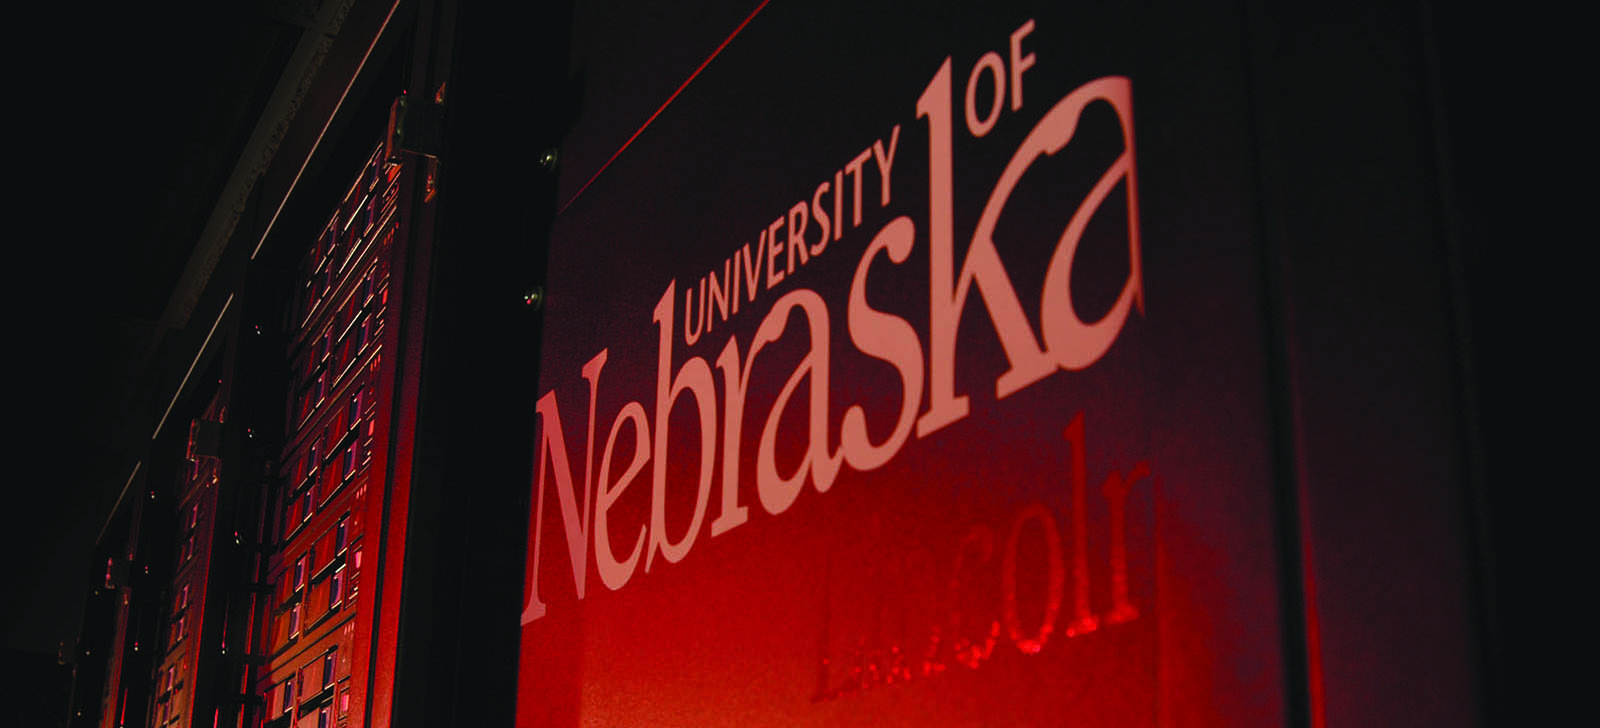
(128, 120)
(125, 120)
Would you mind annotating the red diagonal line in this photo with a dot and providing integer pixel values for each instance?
(664, 105)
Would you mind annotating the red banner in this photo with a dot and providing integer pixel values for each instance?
(900, 371)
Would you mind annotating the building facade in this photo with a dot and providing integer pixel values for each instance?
(317, 624)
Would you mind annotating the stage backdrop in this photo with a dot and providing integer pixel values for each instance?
(907, 368)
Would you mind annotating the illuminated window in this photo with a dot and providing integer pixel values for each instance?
(335, 583)
(287, 704)
(328, 241)
(329, 662)
(353, 581)
(291, 517)
(299, 573)
(347, 351)
(353, 416)
(341, 535)
(347, 462)
(324, 717)
(373, 207)
(294, 621)
(358, 451)
(308, 299)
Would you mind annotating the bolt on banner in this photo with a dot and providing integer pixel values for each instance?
(877, 391)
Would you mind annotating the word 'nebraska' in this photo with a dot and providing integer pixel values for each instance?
(1063, 342)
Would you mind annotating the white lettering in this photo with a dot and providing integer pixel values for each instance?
(885, 161)
(777, 492)
(694, 376)
(887, 337)
(553, 449)
(989, 62)
(616, 573)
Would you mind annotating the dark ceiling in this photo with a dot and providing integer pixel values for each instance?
(139, 116)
